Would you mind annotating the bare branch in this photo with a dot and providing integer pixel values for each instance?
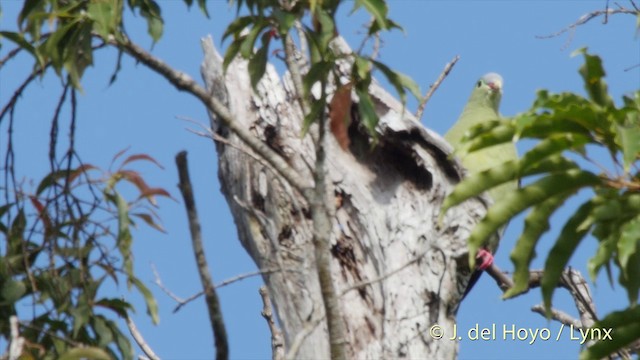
(17, 342)
(137, 337)
(320, 214)
(503, 280)
(559, 316)
(435, 85)
(182, 302)
(588, 17)
(208, 133)
(10, 55)
(302, 336)
(385, 276)
(213, 304)
(184, 82)
(165, 289)
(277, 341)
(295, 70)
(571, 280)
(631, 67)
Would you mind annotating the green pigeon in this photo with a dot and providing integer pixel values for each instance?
(483, 106)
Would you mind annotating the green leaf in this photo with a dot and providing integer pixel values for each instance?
(57, 44)
(399, 82)
(367, 110)
(150, 10)
(152, 305)
(327, 31)
(202, 4)
(285, 20)
(246, 49)
(93, 353)
(28, 8)
(231, 53)
(630, 276)
(318, 73)
(12, 291)
(629, 140)
(608, 241)
(479, 182)
(258, 65)
(593, 73)
(625, 327)
(572, 233)
(102, 331)
(118, 306)
(19, 40)
(122, 341)
(378, 9)
(148, 218)
(362, 69)
(81, 315)
(104, 16)
(317, 109)
(628, 243)
(514, 203)
(498, 135)
(237, 25)
(552, 146)
(535, 224)
(124, 240)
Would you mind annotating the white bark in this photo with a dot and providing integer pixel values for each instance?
(387, 202)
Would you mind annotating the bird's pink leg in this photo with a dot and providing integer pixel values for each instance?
(486, 259)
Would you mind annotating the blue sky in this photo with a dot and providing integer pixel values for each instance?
(140, 111)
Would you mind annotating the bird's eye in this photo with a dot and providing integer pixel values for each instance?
(479, 84)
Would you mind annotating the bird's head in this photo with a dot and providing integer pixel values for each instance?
(488, 90)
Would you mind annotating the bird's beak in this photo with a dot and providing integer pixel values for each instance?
(495, 86)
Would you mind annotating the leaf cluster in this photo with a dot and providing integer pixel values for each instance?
(65, 242)
(253, 36)
(64, 34)
(568, 129)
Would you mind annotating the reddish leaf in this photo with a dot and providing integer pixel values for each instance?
(340, 115)
(149, 220)
(80, 170)
(150, 194)
(120, 153)
(134, 178)
(42, 213)
(140, 157)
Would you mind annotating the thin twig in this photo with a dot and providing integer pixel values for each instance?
(434, 87)
(184, 82)
(277, 340)
(137, 337)
(184, 301)
(559, 316)
(503, 280)
(213, 303)
(176, 298)
(208, 133)
(385, 276)
(570, 280)
(302, 336)
(588, 17)
(10, 55)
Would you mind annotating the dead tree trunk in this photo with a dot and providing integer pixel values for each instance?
(398, 270)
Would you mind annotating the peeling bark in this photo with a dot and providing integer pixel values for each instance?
(406, 272)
